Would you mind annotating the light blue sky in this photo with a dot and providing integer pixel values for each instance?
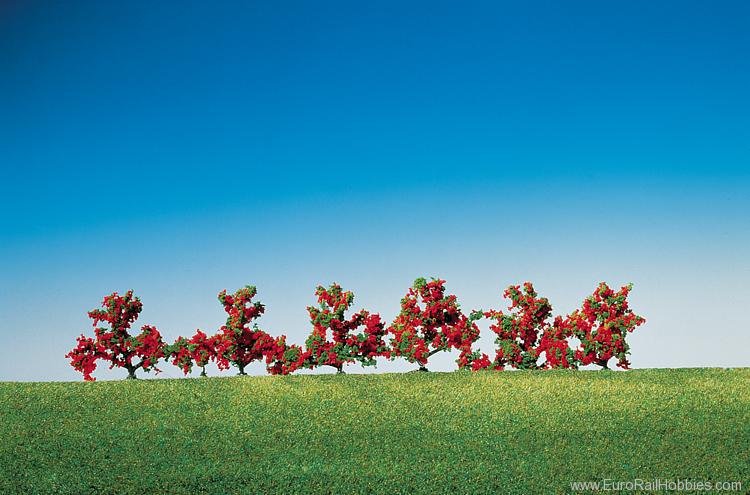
(181, 151)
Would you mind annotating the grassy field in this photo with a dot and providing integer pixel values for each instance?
(509, 432)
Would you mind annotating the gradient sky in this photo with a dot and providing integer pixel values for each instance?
(181, 148)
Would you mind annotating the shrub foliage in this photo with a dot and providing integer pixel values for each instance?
(430, 321)
(113, 342)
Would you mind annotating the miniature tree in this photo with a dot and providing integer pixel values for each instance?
(113, 342)
(333, 341)
(602, 326)
(518, 332)
(283, 359)
(240, 341)
(199, 350)
(430, 322)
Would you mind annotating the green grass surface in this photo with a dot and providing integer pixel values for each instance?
(508, 432)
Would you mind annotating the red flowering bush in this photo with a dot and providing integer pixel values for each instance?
(602, 326)
(238, 343)
(431, 321)
(554, 344)
(200, 349)
(282, 359)
(333, 341)
(518, 332)
(113, 342)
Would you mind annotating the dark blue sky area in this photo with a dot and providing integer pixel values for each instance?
(141, 108)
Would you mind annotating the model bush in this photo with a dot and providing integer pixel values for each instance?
(430, 322)
(198, 350)
(602, 326)
(240, 341)
(113, 343)
(336, 340)
(283, 359)
(518, 331)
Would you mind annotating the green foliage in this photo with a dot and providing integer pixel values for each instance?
(513, 432)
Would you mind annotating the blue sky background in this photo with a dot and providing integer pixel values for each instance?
(182, 148)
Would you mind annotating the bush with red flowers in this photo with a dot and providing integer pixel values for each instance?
(240, 341)
(333, 341)
(113, 342)
(430, 322)
(518, 332)
(282, 359)
(554, 345)
(602, 326)
(198, 350)
(524, 336)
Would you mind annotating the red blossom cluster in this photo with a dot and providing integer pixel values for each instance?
(554, 345)
(333, 341)
(527, 340)
(113, 342)
(238, 343)
(602, 326)
(84, 355)
(200, 349)
(518, 332)
(429, 322)
(282, 359)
